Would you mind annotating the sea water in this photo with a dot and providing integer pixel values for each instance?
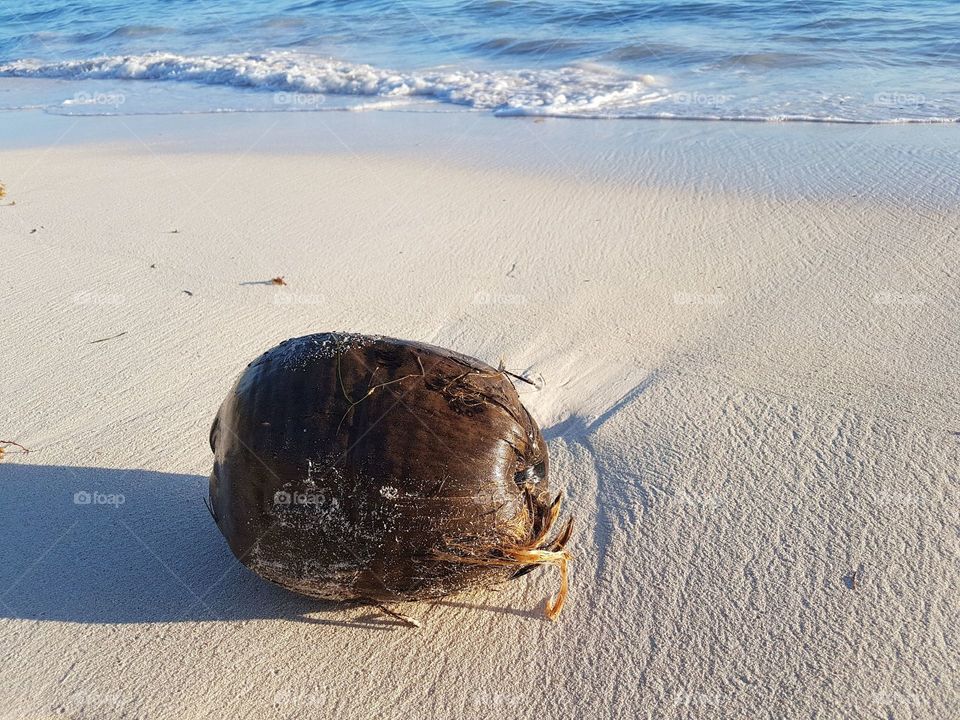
(889, 61)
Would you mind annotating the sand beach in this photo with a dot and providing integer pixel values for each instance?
(745, 341)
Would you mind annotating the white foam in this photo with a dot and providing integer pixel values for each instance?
(300, 82)
(570, 90)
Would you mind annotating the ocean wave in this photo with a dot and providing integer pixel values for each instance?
(573, 90)
(302, 82)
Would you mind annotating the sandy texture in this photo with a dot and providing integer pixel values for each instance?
(752, 404)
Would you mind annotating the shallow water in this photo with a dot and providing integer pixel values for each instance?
(838, 61)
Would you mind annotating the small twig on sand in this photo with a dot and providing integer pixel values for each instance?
(272, 281)
(502, 368)
(405, 619)
(23, 450)
(112, 337)
(520, 377)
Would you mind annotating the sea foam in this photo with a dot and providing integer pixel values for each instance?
(569, 90)
(301, 81)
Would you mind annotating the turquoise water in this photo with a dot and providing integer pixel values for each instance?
(839, 61)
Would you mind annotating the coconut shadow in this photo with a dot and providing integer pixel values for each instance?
(113, 546)
(105, 545)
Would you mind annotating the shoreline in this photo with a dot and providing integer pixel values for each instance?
(900, 164)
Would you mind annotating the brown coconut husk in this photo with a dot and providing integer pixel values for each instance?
(526, 547)
(432, 477)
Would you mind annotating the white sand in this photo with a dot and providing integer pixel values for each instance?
(746, 399)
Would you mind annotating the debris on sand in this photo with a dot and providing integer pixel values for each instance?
(4, 444)
(112, 337)
(852, 577)
(279, 280)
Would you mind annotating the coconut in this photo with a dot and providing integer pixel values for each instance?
(367, 468)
